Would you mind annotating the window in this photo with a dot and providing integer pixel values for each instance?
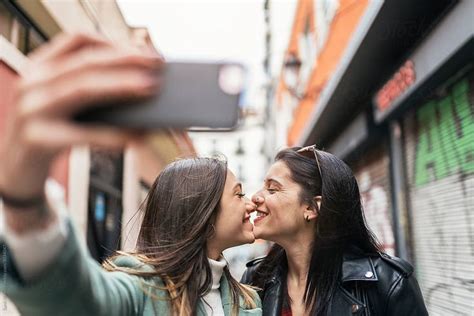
(18, 28)
(239, 151)
(6, 21)
(105, 203)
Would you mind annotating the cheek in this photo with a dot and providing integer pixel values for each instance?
(283, 213)
(276, 206)
(230, 220)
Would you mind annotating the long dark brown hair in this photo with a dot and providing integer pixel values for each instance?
(180, 210)
(340, 225)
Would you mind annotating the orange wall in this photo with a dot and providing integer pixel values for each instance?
(343, 25)
(304, 12)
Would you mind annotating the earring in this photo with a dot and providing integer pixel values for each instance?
(306, 218)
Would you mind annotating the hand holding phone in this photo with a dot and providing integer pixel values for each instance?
(71, 73)
(192, 95)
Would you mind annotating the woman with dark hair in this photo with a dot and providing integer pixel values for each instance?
(325, 261)
(194, 210)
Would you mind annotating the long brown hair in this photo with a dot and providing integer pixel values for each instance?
(180, 211)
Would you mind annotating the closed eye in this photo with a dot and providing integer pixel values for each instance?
(240, 195)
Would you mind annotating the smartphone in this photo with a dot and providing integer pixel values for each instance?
(194, 95)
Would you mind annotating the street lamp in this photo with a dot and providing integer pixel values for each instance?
(291, 74)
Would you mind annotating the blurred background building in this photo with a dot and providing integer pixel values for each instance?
(103, 190)
(389, 87)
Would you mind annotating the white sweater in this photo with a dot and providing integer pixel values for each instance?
(212, 300)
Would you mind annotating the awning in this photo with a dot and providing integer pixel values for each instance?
(398, 26)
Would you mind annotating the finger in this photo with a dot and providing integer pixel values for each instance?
(109, 57)
(56, 135)
(90, 88)
(88, 60)
(64, 44)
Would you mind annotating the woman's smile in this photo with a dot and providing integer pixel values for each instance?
(260, 215)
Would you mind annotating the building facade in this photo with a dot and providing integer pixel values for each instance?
(103, 190)
(395, 100)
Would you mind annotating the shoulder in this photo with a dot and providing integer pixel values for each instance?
(395, 265)
(251, 267)
(255, 262)
(131, 262)
(390, 282)
(126, 261)
(150, 283)
(371, 267)
(400, 287)
(395, 275)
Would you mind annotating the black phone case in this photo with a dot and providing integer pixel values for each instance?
(191, 97)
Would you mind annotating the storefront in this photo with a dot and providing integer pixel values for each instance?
(372, 171)
(399, 109)
(439, 155)
(431, 98)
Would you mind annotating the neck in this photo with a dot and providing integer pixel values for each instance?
(213, 250)
(298, 254)
(217, 269)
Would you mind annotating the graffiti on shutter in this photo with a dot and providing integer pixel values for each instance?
(441, 153)
(445, 143)
(375, 200)
(372, 176)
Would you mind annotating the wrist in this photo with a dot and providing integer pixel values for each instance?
(23, 173)
(25, 219)
(22, 203)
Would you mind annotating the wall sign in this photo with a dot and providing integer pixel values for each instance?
(396, 86)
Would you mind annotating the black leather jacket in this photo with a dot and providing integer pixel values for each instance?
(381, 285)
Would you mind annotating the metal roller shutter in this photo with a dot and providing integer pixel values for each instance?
(372, 173)
(439, 156)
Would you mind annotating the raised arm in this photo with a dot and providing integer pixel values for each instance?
(71, 73)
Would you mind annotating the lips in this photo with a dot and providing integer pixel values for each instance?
(260, 215)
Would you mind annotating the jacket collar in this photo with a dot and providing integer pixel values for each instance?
(224, 289)
(226, 298)
(225, 294)
(358, 267)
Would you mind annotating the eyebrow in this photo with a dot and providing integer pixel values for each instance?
(273, 180)
(237, 185)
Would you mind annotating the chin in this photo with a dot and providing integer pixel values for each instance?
(258, 233)
(245, 237)
(251, 239)
(248, 237)
(263, 233)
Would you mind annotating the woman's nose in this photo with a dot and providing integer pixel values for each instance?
(257, 199)
(250, 206)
